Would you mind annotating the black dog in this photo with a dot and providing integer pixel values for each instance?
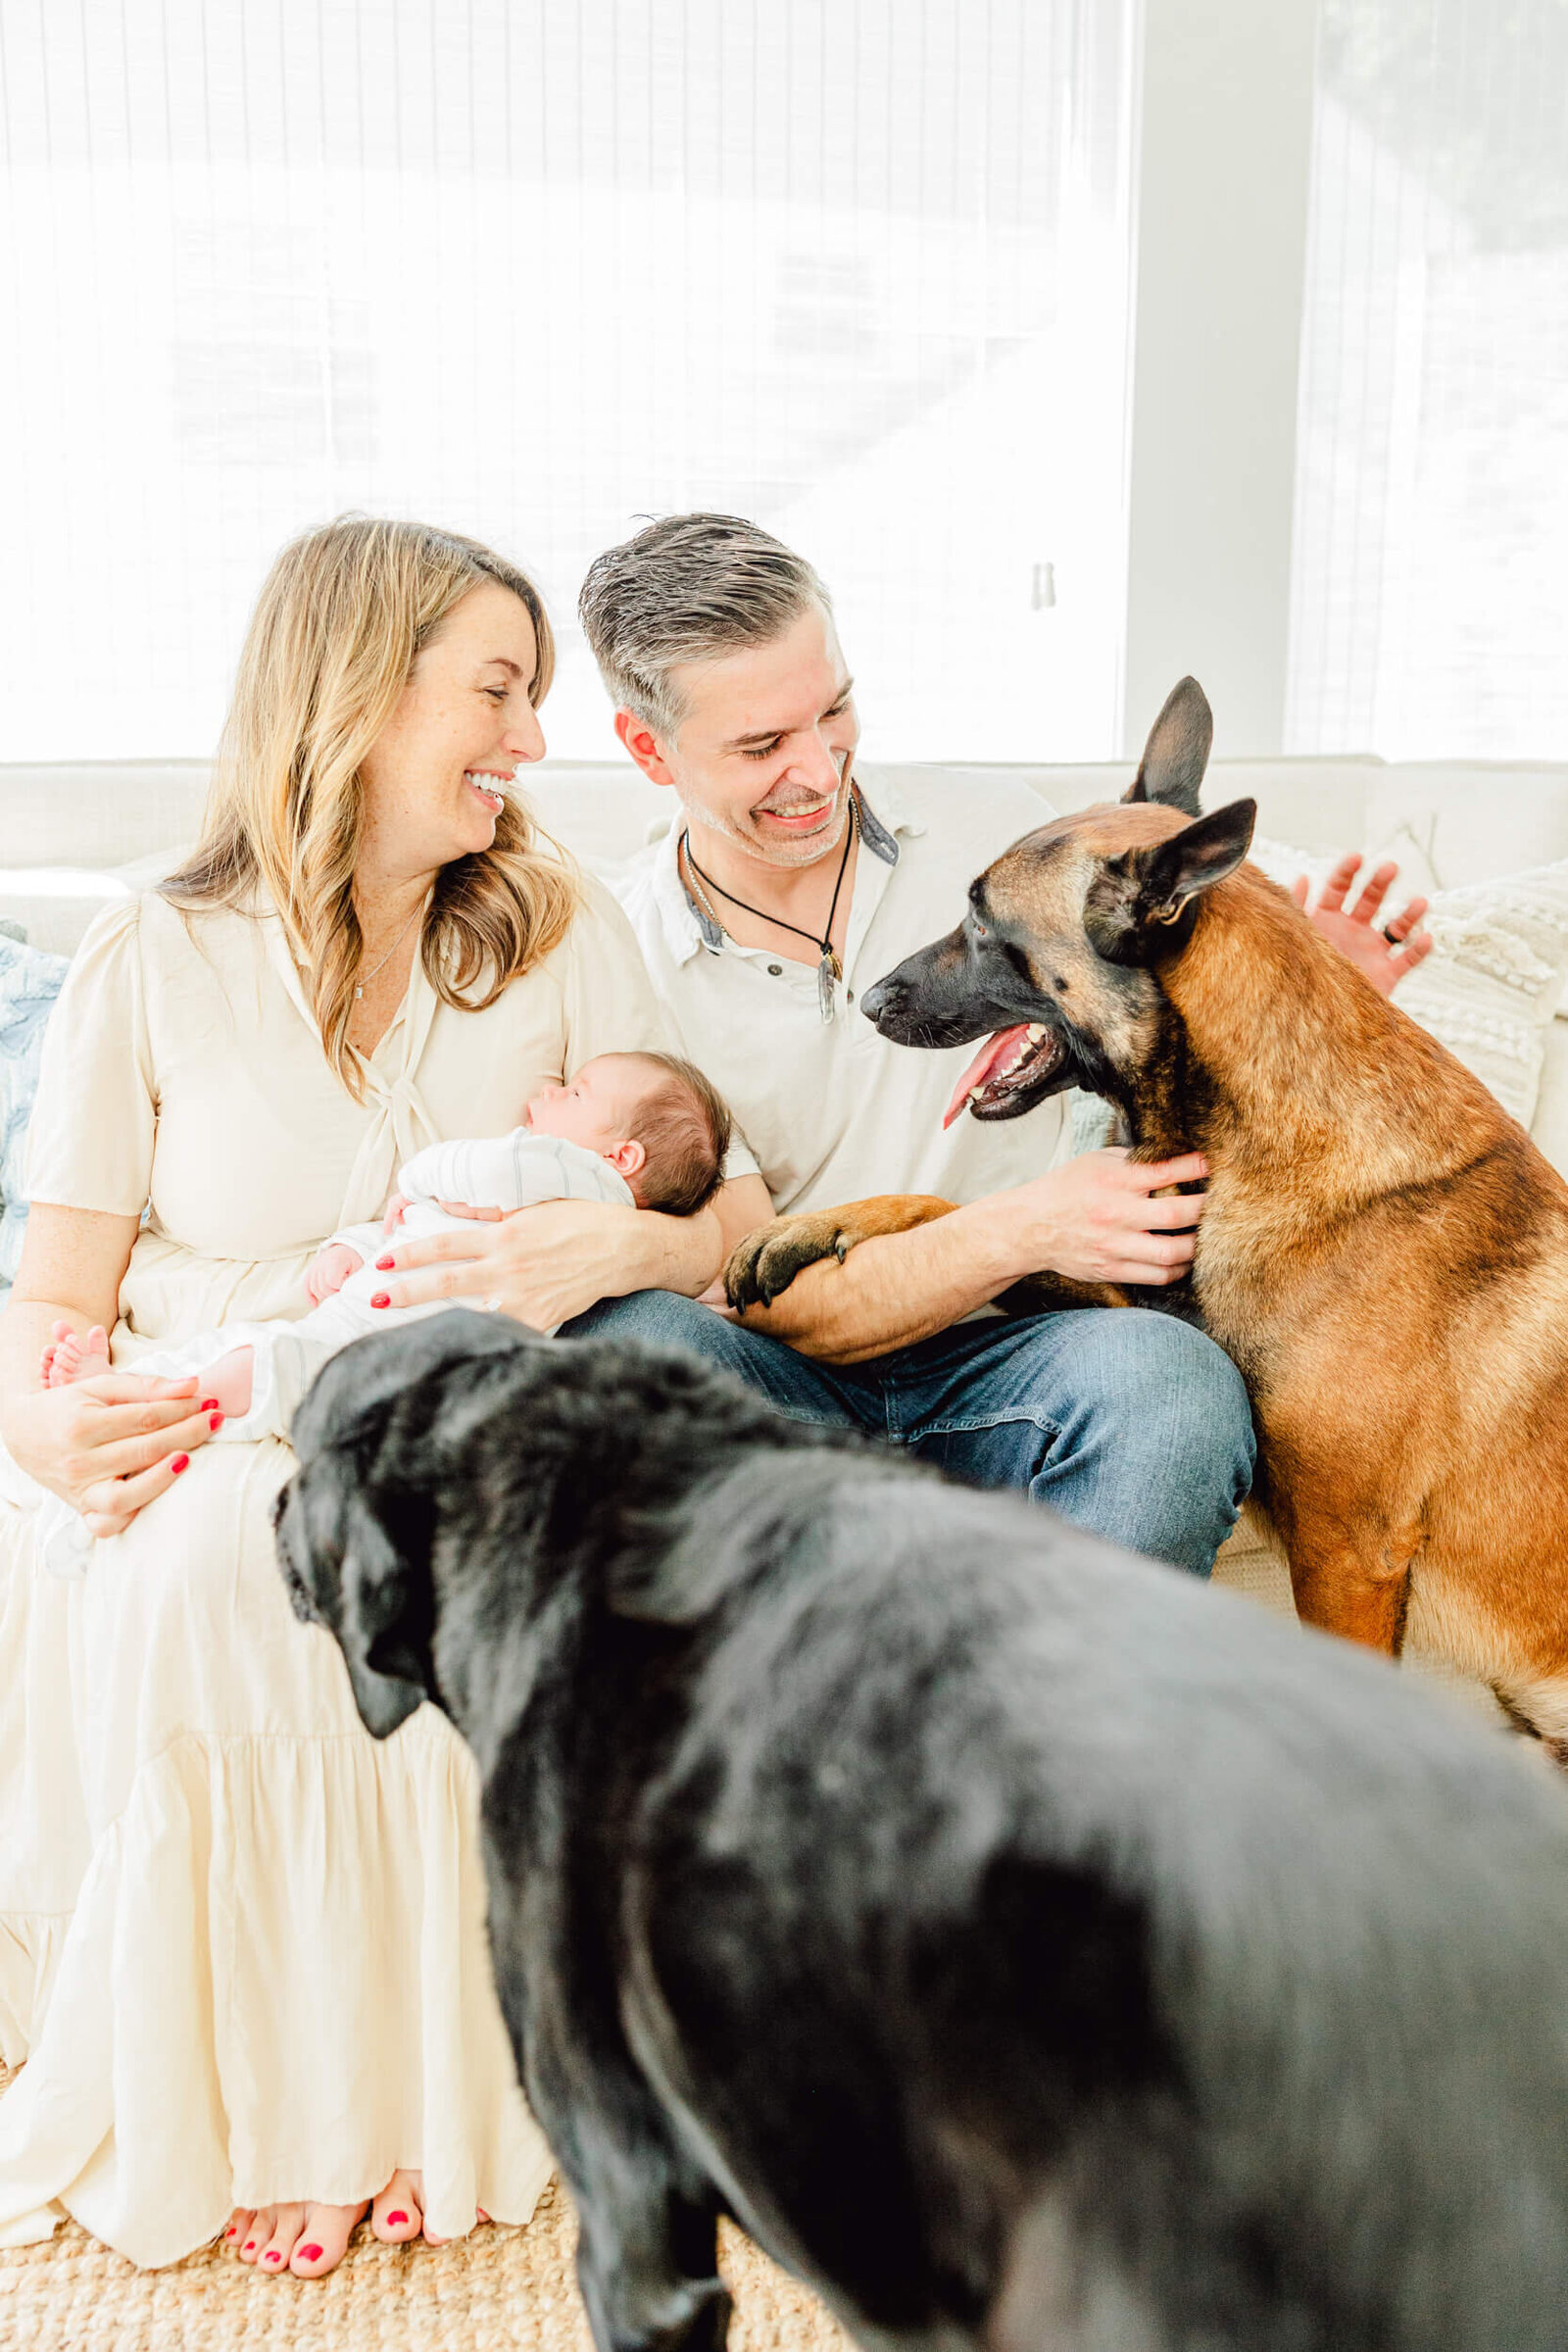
(1026, 1945)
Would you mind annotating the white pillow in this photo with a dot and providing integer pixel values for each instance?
(1497, 971)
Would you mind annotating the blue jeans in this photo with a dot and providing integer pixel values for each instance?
(1125, 1421)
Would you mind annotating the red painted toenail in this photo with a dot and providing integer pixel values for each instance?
(182, 1461)
(380, 1299)
(398, 2219)
(310, 2253)
(272, 2255)
(231, 2230)
(250, 2245)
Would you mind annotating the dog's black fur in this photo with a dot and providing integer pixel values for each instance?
(1028, 1947)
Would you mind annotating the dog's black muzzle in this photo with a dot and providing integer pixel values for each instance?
(957, 991)
(948, 995)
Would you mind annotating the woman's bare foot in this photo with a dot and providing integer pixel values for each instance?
(307, 2239)
(311, 2240)
(399, 2212)
(68, 1358)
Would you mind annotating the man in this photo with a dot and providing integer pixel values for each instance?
(780, 892)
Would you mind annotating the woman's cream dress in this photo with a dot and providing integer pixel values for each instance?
(242, 1945)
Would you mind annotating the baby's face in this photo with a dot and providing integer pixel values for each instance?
(591, 1108)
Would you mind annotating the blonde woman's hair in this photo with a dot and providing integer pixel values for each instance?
(344, 615)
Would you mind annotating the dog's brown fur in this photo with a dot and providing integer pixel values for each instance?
(1383, 1252)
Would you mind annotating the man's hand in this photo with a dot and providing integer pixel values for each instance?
(1384, 955)
(1094, 1219)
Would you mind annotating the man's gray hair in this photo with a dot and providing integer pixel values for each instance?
(688, 588)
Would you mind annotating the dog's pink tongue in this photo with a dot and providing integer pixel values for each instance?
(980, 1069)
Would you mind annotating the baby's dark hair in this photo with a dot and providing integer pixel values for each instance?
(684, 1127)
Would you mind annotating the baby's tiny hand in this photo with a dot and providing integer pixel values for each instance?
(329, 1269)
(394, 1212)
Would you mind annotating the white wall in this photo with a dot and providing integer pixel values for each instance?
(1227, 123)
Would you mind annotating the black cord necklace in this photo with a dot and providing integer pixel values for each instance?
(829, 968)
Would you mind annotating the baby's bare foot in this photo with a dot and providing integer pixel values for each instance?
(68, 1358)
(228, 1381)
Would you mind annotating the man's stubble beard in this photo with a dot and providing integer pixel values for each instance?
(789, 854)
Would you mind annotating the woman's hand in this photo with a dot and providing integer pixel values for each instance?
(1385, 952)
(112, 1444)
(544, 1265)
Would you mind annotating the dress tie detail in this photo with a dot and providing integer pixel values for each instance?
(398, 1123)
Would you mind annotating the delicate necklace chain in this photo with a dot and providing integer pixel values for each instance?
(361, 986)
(829, 966)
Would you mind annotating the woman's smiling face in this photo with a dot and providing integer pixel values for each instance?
(433, 779)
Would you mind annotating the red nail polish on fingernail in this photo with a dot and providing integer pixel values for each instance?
(398, 2219)
(208, 1405)
(215, 1421)
(384, 1265)
(182, 1461)
(310, 2253)
(380, 1299)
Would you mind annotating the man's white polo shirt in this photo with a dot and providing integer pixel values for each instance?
(830, 1110)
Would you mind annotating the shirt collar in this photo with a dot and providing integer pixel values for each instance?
(688, 925)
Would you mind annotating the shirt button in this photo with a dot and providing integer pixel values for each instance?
(776, 970)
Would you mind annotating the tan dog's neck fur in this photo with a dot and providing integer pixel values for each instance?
(1295, 1063)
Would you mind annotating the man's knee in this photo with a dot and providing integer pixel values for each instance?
(1161, 1381)
(1155, 1444)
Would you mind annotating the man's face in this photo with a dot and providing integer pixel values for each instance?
(763, 751)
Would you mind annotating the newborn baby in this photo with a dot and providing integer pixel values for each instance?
(643, 1130)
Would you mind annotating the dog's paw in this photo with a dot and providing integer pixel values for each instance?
(762, 1266)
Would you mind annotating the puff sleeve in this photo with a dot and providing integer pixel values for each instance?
(91, 1141)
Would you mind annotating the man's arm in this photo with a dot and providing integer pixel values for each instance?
(1092, 1219)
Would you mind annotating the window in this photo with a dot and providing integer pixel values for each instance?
(535, 268)
(1429, 593)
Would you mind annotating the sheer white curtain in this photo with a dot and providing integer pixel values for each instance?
(534, 268)
(1430, 604)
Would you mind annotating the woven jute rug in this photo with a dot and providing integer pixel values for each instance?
(501, 2290)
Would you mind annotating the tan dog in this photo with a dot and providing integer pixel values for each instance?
(1383, 1253)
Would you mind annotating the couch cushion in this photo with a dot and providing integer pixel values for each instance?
(98, 813)
(53, 905)
(1473, 823)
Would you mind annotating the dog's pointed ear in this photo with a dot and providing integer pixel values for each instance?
(1136, 904)
(1176, 753)
(1193, 860)
(388, 1618)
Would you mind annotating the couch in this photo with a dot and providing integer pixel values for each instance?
(72, 836)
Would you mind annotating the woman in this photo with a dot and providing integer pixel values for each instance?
(242, 1945)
